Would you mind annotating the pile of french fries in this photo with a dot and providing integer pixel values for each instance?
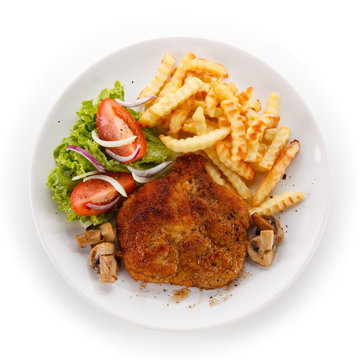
(200, 112)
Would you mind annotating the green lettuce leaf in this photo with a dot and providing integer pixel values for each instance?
(70, 163)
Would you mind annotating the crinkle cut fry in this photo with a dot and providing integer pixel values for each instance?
(164, 71)
(238, 131)
(169, 102)
(274, 175)
(234, 178)
(241, 167)
(210, 67)
(278, 203)
(195, 143)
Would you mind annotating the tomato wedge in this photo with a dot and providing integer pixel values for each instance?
(100, 192)
(114, 122)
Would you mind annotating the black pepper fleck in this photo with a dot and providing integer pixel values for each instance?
(284, 177)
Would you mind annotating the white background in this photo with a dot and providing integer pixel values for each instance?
(45, 45)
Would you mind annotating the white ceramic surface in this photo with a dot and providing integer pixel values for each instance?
(151, 306)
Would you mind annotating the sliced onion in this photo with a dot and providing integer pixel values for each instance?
(103, 207)
(88, 156)
(124, 158)
(150, 172)
(111, 181)
(110, 144)
(142, 179)
(135, 103)
(84, 175)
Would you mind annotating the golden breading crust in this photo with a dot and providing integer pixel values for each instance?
(184, 229)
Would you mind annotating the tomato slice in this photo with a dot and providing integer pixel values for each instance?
(100, 192)
(113, 122)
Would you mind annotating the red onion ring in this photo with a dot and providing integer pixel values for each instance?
(110, 144)
(144, 180)
(136, 102)
(88, 156)
(150, 172)
(124, 158)
(103, 207)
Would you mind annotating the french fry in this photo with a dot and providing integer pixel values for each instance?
(189, 127)
(199, 121)
(224, 92)
(164, 71)
(180, 115)
(269, 136)
(223, 121)
(214, 173)
(241, 167)
(219, 112)
(177, 79)
(210, 103)
(206, 78)
(262, 148)
(201, 95)
(196, 103)
(207, 66)
(229, 186)
(276, 147)
(232, 88)
(212, 124)
(254, 105)
(245, 96)
(195, 143)
(274, 175)
(233, 178)
(278, 203)
(163, 124)
(205, 115)
(272, 107)
(253, 136)
(274, 121)
(250, 116)
(169, 102)
(239, 146)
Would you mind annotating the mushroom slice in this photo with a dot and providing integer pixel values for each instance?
(97, 252)
(268, 223)
(96, 235)
(262, 248)
(107, 232)
(261, 222)
(108, 266)
(90, 237)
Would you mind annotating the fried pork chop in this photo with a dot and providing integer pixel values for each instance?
(184, 229)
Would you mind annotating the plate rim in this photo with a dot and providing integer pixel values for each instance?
(259, 308)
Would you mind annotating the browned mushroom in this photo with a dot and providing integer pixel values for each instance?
(96, 235)
(262, 248)
(268, 223)
(108, 267)
(102, 261)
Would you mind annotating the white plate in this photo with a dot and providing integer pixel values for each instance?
(134, 66)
